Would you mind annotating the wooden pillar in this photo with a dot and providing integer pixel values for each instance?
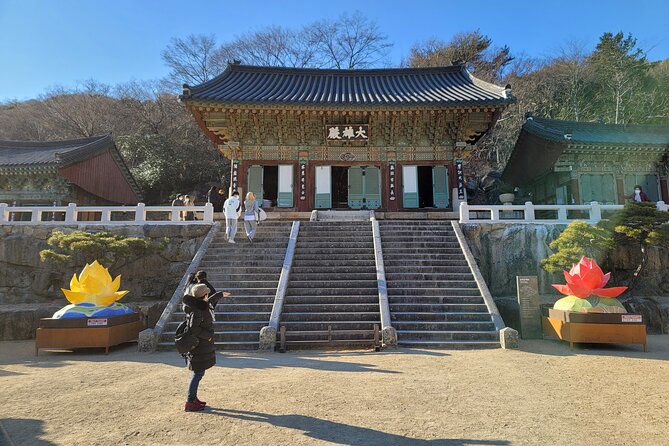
(664, 190)
(620, 189)
(573, 186)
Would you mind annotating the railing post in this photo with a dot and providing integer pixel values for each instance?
(464, 212)
(208, 213)
(562, 214)
(4, 213)
(529, 211)
(140, 213)
(494, 214)
(71, 213)
(175, 214)
(595, 212)
(105, 215)
(35, 215)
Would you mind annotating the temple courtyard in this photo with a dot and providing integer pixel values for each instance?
(543, 393)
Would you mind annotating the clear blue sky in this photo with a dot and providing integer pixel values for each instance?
(59, 42)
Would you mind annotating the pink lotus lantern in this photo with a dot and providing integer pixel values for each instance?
(585, 290)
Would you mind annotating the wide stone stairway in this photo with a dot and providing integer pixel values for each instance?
(250, 271)
(434, 300)
(332, 296)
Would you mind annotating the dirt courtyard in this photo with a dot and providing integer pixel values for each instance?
(541, 394)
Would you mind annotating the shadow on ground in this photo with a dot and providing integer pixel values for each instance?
(339, 433)
(22, 431)
(657, 346)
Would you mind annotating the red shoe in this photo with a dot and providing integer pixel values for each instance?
(193, 407)
(201, 403)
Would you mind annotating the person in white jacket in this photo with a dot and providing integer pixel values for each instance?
(231, 209)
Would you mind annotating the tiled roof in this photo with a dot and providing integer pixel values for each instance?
(61, 153)
(396, 87)
(572, 132)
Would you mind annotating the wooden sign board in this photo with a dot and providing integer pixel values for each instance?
(530, 311)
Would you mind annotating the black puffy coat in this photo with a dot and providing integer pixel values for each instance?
(201, 324)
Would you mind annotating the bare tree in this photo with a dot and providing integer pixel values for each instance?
(352, 41)
(192, 60)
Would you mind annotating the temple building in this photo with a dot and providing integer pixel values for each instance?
(388, 139)
(83, 171)
(566, 162)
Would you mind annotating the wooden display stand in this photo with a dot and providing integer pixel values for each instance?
(596, 328)
(87, 332)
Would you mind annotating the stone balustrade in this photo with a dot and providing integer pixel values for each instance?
(104, 215)
(540, 213)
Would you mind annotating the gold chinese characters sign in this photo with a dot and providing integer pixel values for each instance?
(347, 132)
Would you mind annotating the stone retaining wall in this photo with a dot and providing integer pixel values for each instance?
(30, 289)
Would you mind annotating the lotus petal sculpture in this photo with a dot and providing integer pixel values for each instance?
(93, 294)
(585, 290)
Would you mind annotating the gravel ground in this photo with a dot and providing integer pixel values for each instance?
(541, 394)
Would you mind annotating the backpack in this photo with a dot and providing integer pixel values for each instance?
(184, 340)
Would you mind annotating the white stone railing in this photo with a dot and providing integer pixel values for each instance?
(104, 215)
(531, 213)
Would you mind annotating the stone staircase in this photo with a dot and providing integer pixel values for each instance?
(332, 296)
(434, 300)
(250, 271)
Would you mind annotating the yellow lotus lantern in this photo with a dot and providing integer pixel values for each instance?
(93, 294)
(95, 286)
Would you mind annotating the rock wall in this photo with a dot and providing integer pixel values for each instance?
(504, 251)
(24, 279)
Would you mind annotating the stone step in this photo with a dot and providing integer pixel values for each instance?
(242, 291)
(346, 283)
(421, 251)
(241, 325)
(405, 283)
(333, 238)
(454, 345)
(292, 326)
(294, 291)
(362, 246)
(310, 312)
(226, 285)
(238, 274)
(420, 299)
(232, 264)
(329, 262)
(331, 273)
(417, 307)
(399, 276)
(444, 325)
(318, 257)
(248, 299)
(425, 291)
(321, 337)
(341, 251)
(453, 316)
(437, 335)
(335, 299)
(427, 268)
(421, 262)
(419, 246)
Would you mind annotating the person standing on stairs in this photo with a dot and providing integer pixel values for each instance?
(202, 357)
(250, 216)
(231, 207)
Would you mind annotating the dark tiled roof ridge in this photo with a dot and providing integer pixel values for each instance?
(564, 124)
(266, 85)
(68, 144)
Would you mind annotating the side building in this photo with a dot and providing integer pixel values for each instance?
(87, 171)
(304, 139)
(566, 162)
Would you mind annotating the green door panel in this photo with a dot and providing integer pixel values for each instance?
(597, 187)
(440, 186)
(356, 193)
(372, 187)
(255, 183)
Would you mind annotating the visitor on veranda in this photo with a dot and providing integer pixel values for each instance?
(189, 201)
(639, 195)
(203, 357)
(231, 208)
(179, 201)
(250, 215)
(214, 198)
